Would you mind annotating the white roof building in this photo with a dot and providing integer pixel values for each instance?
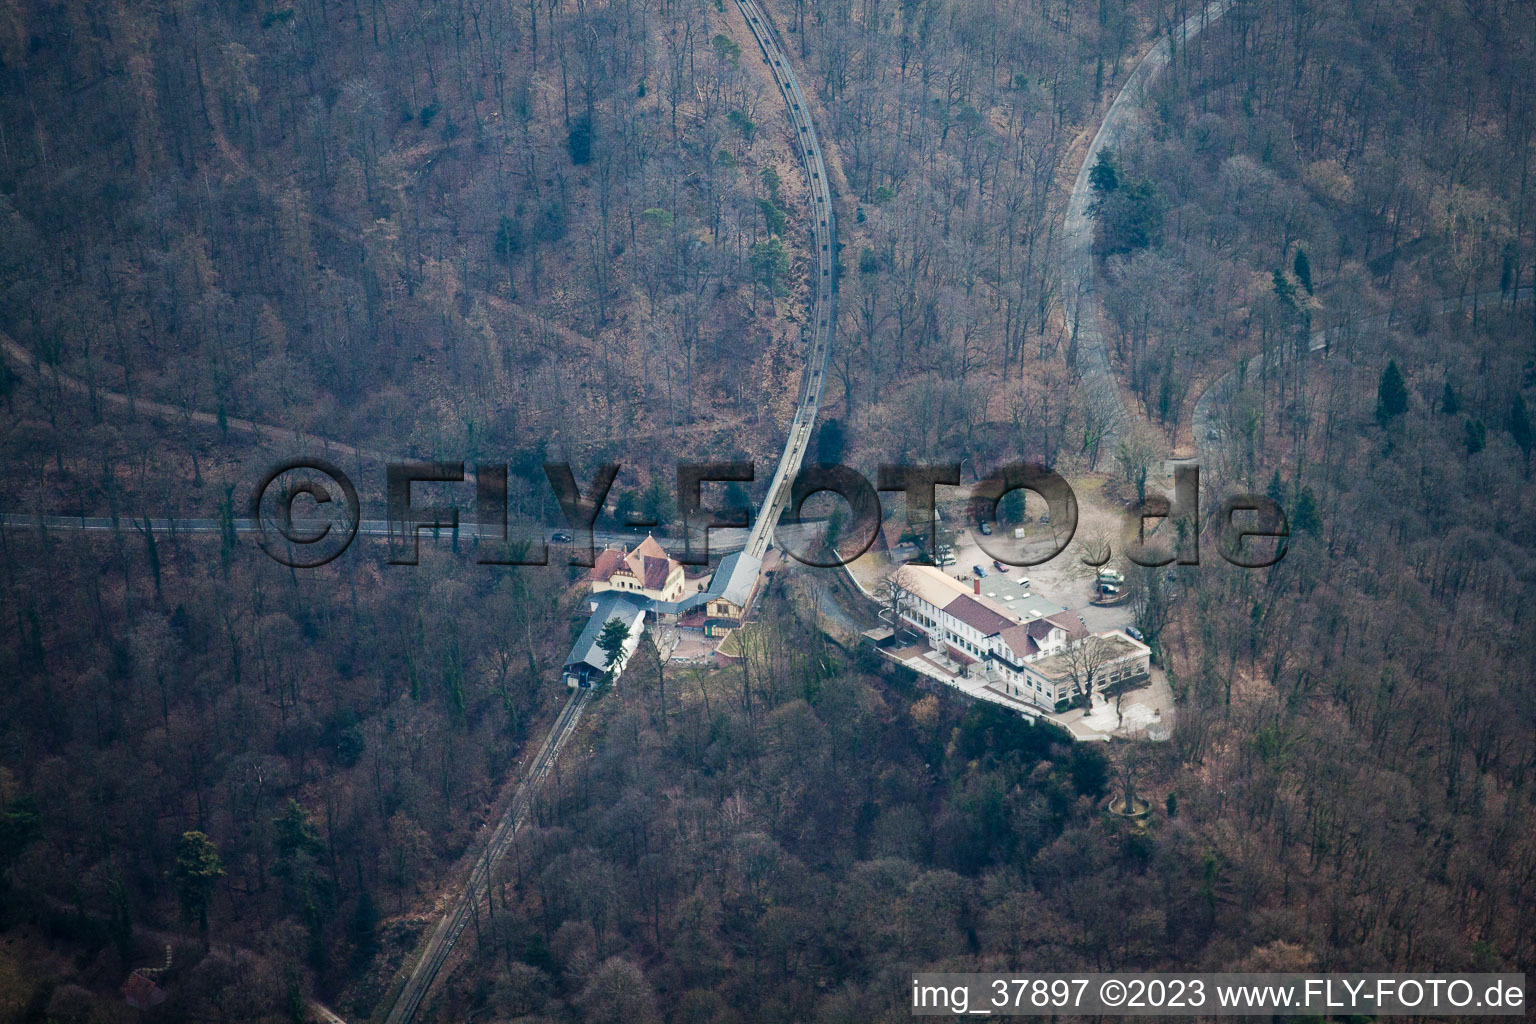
(1017, 640)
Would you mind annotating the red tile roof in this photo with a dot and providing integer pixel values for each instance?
(607, 563)
(649, 548)
(141, 993)
(1020, 640)
(1069, 622)
(648, 564)
(977, 615)
(655, 572)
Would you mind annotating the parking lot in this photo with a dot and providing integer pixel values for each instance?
(1064, 580)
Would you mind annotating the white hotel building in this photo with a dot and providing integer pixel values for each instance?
(1010, 641)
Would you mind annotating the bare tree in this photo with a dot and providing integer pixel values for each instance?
(1135, 455)
(659, 659)
(897, 600)
(1085, 660)
(1127, 757)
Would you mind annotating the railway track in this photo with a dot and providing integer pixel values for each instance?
(824, 319)
(824, 308)
(466, 906)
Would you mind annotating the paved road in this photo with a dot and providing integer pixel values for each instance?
(1084, 315)
(825, 287)
(726, 540)
(820, 342)
(1083, 310)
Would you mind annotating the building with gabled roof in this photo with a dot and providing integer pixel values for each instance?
(724, 603)
(645, 582)
(647, 571)
(1014, 638)
(141, 992)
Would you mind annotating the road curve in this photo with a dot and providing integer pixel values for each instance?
(1084, 316)
(824, 288)
(1203, 420)
(1082, 307)
(823, 326)
(465, 906)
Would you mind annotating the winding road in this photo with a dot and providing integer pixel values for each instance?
(823, 309)
(1084, 315)
(1204, 422)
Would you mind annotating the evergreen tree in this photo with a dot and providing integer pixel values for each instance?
(1132, 218)
(1391, 395)
(1302, 268)
(656, 504)
(1276, 490)
(770, 178)
(579, 141)
(1305, 519)
(1104, 177)
(296, 833)
(1520, 425)
(198, 870)
(1449, 403)
(770, 261)
(1284, 290)
(611, 642)
(1476, 436)
(774, 219)
(363, 929)
(625, 505)
(830, 442)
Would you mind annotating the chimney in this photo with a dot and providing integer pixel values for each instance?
(976, 586)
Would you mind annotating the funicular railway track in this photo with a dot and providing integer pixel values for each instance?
(466, 904)
(824, 286)
(824, 316)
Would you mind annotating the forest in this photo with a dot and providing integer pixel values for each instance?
(578, 230)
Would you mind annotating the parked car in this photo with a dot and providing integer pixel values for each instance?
(999, 566)
(984, 526)
(1046, 519)
(981, 573)
(1134, 634)
(561, 537)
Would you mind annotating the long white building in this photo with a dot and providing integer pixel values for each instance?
(1041, 656)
